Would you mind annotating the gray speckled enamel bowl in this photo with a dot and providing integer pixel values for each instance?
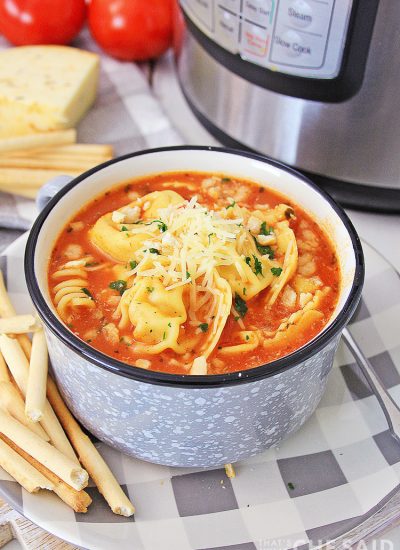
(182, 420)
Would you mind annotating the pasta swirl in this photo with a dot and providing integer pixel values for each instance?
(69, 292)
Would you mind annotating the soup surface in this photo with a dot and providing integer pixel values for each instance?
(194, 273)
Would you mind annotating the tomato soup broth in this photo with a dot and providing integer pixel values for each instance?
(178, 272)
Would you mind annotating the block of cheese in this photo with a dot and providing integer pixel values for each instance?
(45, 88)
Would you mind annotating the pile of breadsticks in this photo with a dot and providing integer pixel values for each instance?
(41, 444)
(27, 162)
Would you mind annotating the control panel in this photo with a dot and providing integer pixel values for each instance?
(298, 37)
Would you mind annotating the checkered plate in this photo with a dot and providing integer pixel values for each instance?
(322, 482)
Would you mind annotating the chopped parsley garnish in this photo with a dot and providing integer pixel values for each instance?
(91, 264)
(276, 271)
(291, 486)
(240, 305)
(257, 266)
(154, 251)
(244, 291)
(225, 179)
(203, 327)
(247, 260)
(124, 228)
(149, 289)
(119, 285)
(169, 324)
(187, 275)
(231, 205)
(247, 337)
(264, 230)
(161, 225)
(164, 335)
(209, 237)
(265, 250)
(133, 264)
(87, 292)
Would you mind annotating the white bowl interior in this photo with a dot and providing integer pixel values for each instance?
(239, 166)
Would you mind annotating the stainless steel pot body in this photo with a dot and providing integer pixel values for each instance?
(356, 140)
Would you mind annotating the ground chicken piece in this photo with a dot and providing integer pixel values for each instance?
(73, 251)
(143, 363)
(111, 333)
(289, 297)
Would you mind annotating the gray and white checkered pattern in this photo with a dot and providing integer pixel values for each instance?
(322, 482)
(126, 115)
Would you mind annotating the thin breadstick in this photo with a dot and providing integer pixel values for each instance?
(90, 457)
(30, 177)
(35, 400)
(22, 471)
(55, 157)
(76, 165)
(230, 471)
(31, 141)
(19, 367)
(7, 310)
(4, 374)
(46, 454)
(84, 150)
(99, 149)
(19, 324)
(77, 500)
(12, 402)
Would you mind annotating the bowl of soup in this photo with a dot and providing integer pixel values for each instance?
(193, 300)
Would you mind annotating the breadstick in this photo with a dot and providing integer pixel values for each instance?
(229, 470)
(46, 454)
(75, 150)
(19, 324)
(4, 374)
(91, 459)
(35, 399)
(59, 137)
(26, 177)
(7, 310)
(12, 402)
(76, 165)
(19, 367)
(77, 500)
(22, 471)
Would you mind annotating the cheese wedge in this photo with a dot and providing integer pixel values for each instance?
(45, 88)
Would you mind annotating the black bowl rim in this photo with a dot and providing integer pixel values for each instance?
(202, 381)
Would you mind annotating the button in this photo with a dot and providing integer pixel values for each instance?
(300, 14)
(226, 30)
(202, 9)
(255, 40)
(258, 11)
(288, 44)
(297, 49)
(232, 5)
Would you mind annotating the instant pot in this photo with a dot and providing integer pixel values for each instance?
(312, 83)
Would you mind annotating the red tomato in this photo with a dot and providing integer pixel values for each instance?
(41, 21)
(133, 30)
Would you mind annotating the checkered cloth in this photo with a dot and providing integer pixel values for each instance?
(126, 115)
(341, 467)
